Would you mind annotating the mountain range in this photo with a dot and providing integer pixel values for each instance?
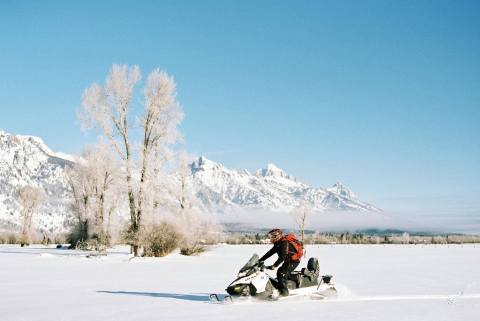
(27, 160)
(269, 188)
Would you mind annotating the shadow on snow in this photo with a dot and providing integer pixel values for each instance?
(178, 296)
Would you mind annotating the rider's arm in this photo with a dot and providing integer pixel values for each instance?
(268, 254)
(282, 253)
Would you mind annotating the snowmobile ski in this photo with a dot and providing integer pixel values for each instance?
(215, 298)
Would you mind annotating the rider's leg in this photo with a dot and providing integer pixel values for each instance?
(282, 276)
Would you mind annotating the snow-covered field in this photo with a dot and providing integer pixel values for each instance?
(375, 282)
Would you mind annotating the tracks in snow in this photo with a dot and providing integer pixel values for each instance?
(449, 297)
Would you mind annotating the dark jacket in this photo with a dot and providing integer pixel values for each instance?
(280, 248)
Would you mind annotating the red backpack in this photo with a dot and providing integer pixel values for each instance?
(297, 245)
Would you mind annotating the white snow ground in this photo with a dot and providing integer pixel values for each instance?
(379, 282)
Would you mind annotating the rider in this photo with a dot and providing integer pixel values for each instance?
(283, 249)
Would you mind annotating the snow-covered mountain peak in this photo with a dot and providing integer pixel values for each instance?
(34, 143)
(27, 160)
(273, 168)
(342, 190)
(204, 164)
(273, 171)
(37, 141)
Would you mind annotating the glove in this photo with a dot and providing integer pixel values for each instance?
(270, 267)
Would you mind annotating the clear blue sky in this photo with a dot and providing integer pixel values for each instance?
(383, 96)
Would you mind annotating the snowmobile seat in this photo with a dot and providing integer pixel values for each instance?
(313, 270)
(299, 280)
(306, 277)
(313, 265)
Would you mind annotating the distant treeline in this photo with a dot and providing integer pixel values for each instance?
(16, 238)
(246, 237)
(360, 238)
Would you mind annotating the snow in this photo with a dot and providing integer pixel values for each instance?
(375, 282)
(271, 170)
(27, 160)
(340, 189)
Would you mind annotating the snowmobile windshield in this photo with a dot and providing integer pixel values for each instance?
(251, 263)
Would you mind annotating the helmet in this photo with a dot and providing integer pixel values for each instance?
(275, 235)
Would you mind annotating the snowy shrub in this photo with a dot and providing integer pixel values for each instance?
(197, 231)
(99, 241)
(81, 238)
(12, 238)
(79, 235)
(9, 238)
(24, 240)
(160, 239)
(19, 238)
(59, 239)
(193, 250)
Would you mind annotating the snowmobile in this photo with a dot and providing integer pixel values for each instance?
(253, 281)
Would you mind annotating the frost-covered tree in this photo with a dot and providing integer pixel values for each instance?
(29, 198)
(183, 192)
(110, 107)
(195, 225)
(161, 118)
(300, 215)
(405, 238)
(106, 108)
(79, 207)
(92, 180)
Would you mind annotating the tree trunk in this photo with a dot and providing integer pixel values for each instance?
(141, 189)
(134, 228)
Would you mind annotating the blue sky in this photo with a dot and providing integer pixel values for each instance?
(383, 96)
